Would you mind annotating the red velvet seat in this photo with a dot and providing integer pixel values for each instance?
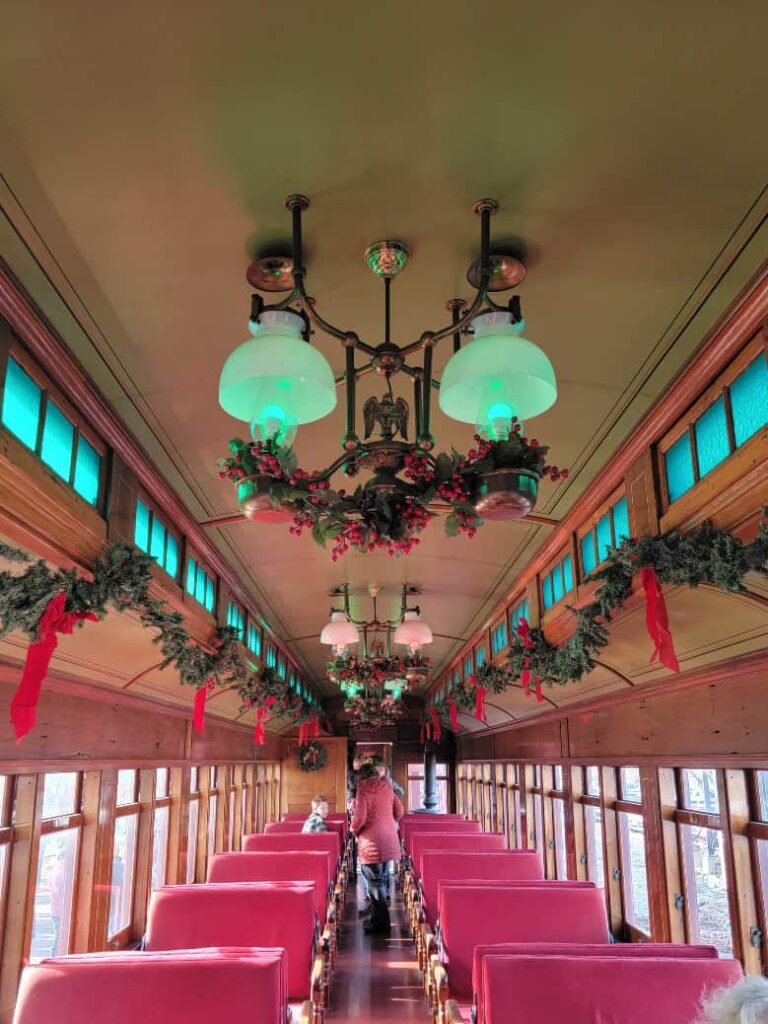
(427, 820)
(548, 912)
(240, 914)
(328, 841)
(287, 865)
(239, 986)
(445, 865)
(458, 827)
(571, 949)
(466, 841)
(583, 990)
(343, 818)
(296, 826)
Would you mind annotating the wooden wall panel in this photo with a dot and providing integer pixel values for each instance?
(724, 719)
(298, 787)
(74, 728)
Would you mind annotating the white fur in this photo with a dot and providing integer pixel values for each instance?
(743, 1003)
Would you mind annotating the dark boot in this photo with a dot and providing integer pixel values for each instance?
(379, 923)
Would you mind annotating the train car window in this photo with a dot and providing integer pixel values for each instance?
(160, 828)
(193, 818)
(592, 781)
(123, 857)
(634, 871)
(57, 862)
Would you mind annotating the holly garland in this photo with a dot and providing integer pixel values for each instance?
(369, 712)
(42, 602)
(375, 672)
(703, 556)
(370, 520)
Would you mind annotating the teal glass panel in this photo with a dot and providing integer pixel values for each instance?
(172, 556)
(678, 462)
(200, 586)
(749, 400)
(157, 542)
(58, 441)
(281, 668)
(254, 640)
(271, 656)
(588, 554)
(21, 404)
(479, 657)
(209, 594)
(711, 432)
(568, 573)
(604, 538)
(87, 471)
(620, 521)
(524, 612)
(141, 526)
(558, 590)
(546, 591)
(499, 637)
(469, 666)
(456, 677)
(191, 576)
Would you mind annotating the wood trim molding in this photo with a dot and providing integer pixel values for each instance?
(45, 344)
(720, 345)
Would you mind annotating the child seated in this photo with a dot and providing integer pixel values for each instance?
(316, 820)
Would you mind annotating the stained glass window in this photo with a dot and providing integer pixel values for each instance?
(254, 639)
(678, 462)
(236, 618)
(499, 637)
(557, 583)
(58, 441)
(22, 400)
(611, 529)
(749, 400)
(200, 585)
(87, 471)
(152, 536)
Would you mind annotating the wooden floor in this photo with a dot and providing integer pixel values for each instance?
(376, 979)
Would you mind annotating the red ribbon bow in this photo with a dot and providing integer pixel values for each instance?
(198, 715)
(657, 621)
(479, 699)
(53, 620)
(314, 723)
(437, 731)
(263, 714)
(454, 714)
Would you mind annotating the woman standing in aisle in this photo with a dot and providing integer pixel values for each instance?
(377, 812)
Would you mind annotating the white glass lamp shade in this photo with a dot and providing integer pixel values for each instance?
(339, 631)
(498, 375)
(413, 632)
(276, 380)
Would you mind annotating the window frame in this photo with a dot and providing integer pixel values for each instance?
(192, 555)
(558, 562)
(181, 559)
(123, 937)
(685, 426)
(12, 348)
(590, 527)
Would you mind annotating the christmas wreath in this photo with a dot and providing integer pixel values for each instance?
(703, 556)
(370, 519)
(312, 757)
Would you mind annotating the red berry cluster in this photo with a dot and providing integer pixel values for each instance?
(467, 522)
(554, 473)
(454, 489)
(419, 469)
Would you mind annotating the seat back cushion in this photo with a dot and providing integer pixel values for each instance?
(239, 914)
(675, 950)
(443, 865)
(423, 828)
(237, 986)
(583, 990)
(467, 841)
(277, 866)
(471, 915)
(296, 826)
(327, 841)
(411, 822)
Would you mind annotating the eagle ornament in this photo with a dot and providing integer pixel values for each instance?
(391, 415)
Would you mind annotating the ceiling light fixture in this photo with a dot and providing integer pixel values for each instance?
(276, 381)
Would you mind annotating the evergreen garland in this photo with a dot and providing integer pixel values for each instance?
(121, 579)
(703, 556)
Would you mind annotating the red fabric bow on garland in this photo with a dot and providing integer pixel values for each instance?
(437, 731)
(263, 714)
(479, 699)
(310, 728)
(657, 621)
(523, 631)
(198, 715)
(53, 620)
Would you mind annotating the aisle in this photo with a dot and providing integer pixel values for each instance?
(376, 979)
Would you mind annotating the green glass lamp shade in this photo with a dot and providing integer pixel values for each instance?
(496, 376)
(276, 380)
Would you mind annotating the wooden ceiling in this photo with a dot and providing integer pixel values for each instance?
(146, 154)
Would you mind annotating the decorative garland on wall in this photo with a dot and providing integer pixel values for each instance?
(703, 556)
(42, 602)
(367, 519)
(312, 757)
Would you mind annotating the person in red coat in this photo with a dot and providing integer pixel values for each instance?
(377, 812)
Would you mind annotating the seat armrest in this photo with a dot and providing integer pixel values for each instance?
(305, 1013)
(439, 981)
